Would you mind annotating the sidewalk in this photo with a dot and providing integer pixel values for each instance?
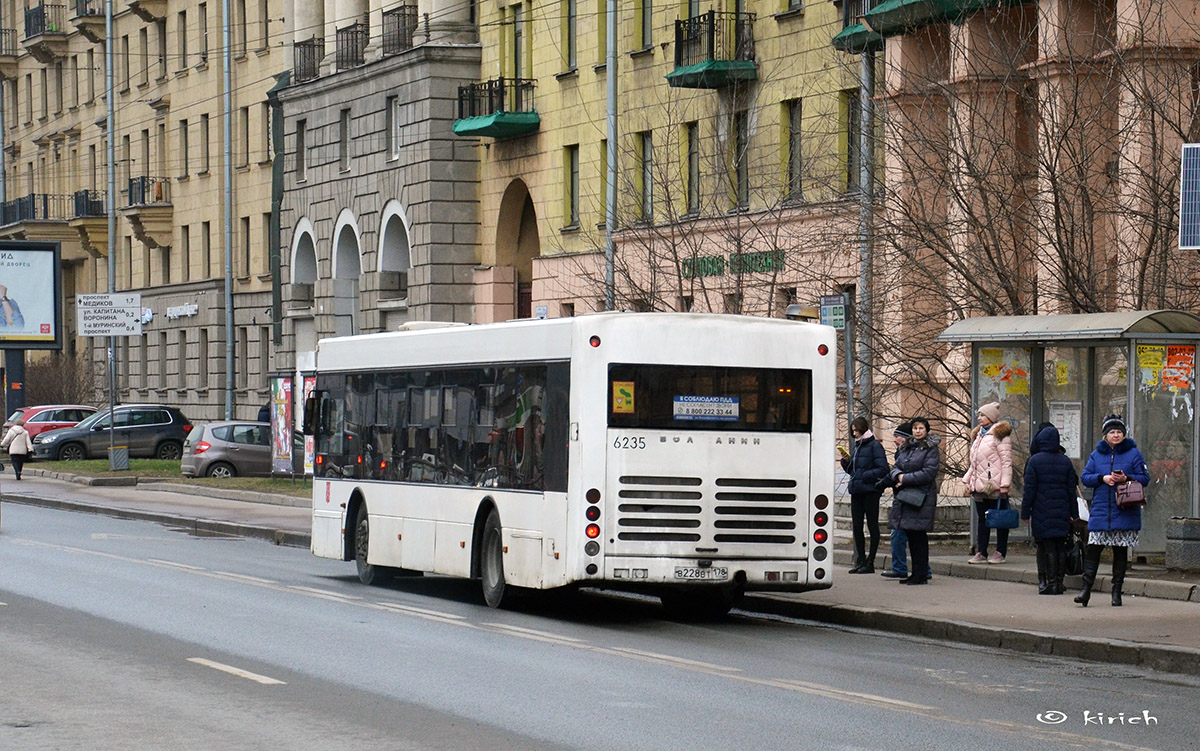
(995, 606)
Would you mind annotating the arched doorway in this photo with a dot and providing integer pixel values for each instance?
(518, 243)
(347, 268)
(395, 256)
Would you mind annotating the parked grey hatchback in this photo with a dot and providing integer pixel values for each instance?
(227, 449)
(148, 430)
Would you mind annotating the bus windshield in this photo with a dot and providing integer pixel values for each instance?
(684, 397)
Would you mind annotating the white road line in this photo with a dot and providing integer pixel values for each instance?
(534, 632)
(172, 564)
(421, 611)
(676, 660)
(323, 592)
(237, 671)
(243, 577)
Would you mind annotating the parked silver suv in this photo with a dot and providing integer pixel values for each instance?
(227, 449)
(149, 430)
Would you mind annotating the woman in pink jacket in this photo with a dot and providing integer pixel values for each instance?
(989, 478)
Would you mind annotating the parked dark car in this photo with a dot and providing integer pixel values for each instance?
(227, 449)
(149, 430)
(49, 417)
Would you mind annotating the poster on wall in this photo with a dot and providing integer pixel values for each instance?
(1067, 416)
(310, 385)
(30, 295)
(281, 425)
(1004, 372)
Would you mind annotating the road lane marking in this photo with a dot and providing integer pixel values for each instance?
(431, 615)
(678, 661)
(243, 577)
(856, 696)
(266, 681)
(533, 632)
(172, 564)
(323, 592)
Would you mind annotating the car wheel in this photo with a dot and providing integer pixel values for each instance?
(170, 450)
(71, 452)
(221, 470)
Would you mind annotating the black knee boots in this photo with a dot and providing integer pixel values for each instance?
(1091, 564)
(1058, 559)
(1044, 568)
(1120, 563)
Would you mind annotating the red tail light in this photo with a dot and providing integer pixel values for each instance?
(202, 446)
(592, 531)
(820, 536)
(187, 427)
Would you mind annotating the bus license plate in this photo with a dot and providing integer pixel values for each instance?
(694, 573)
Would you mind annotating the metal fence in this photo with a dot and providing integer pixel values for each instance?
(45, 19)
(714, 36)
(35, 206)
(308, 56)
(8, 42)
(399, 25)
(498, 95)
(144, 190)
(89, 8)
(351, 46)
(90, 203)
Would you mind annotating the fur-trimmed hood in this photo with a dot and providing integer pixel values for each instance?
(1001, 430)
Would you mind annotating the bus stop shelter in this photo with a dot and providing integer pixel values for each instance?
(1072, 370)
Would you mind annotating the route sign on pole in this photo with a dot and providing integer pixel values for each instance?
(117, 314)
(833, 311)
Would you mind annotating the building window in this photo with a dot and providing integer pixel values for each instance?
(518, 61)
(264, 351)
(644, 17)
(741, 154)
(74, 79)
(185, 250)
(853, 153)
(392, 124)
(602, 32)
(571, 182)
(202, 10)
(795, 180)
(264, 21)
(183, 147)
(58, 87)
(181, 34)
(241, 345)
(91, 75)
(204, 144)
(344, 141)
(569, 41)
(646, 174)
(265, 109)
(206, 248)
(45, 93)
(239, 32)
(692, 136)
(245, 265)
(144, 49)
(125, 63)
(301, 152)
(244, 136)
(733, 302)
(202, 358)
(264, 261)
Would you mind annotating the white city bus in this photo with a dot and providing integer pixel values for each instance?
(684, 455)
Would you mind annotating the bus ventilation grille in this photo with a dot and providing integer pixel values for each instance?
(671, 509)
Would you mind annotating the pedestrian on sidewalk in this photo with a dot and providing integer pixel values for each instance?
(1115, 461)
(16, 442)
(866, 464)
(1049, 506)
(917, 462)
(988, 479)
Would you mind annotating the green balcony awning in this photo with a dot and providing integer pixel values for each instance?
(498, 125)
(712, 74)
(856, 39)
(898, 16)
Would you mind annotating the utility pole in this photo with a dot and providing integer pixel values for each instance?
(866, 225)
(110, 127)
(227, 116)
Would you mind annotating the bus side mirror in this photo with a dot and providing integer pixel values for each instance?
(310, 415)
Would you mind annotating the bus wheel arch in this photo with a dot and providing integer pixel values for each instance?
(352, 506)
(489, 555)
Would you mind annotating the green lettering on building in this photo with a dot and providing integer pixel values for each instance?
(703, 266)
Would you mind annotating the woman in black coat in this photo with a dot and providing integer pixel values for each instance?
(867, 465)
(1049, 506)
(916, 466)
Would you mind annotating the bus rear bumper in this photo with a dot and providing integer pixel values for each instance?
(790, 575)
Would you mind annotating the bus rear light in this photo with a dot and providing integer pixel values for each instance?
(791, 576)
(821, 519)
(320, 459)
(819, 573)
(641, 573)
(820, 537)
(360, 460)
(593, 513)
(202, 446)
(772, 576)
(592, 531)
(592, 569)
(822, 350)
(620, 573)
(592, 548)
(821, 501)
(593, 495)
(594, 341)
(820, 553)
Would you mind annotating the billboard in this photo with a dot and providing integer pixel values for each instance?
(281, 425)
(30, 295)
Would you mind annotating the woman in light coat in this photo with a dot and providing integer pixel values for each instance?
(16, 442)
(989, 479)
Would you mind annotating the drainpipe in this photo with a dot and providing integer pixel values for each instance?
(866, 223)
(610, 203)
(111, 127)
(282, 81)
(227, 116)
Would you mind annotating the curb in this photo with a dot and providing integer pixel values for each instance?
(151, 483)
(1150, 656)
(190, 524)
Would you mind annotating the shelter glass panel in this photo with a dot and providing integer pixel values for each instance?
(1164, 404)
(1065, 395)
(1002, 374)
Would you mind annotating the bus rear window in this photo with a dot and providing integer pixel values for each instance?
(681, 397)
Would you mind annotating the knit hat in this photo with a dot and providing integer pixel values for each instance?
(903, 429)
(991, 411)
(1113, 422)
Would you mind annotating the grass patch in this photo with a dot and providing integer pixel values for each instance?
(167, 469)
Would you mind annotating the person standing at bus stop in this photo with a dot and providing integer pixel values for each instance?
(866, 464)
(917, 463)
(16, 442)
(989, 479)
(899, 537)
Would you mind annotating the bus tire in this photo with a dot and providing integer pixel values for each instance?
(367, 573)
(491, 561)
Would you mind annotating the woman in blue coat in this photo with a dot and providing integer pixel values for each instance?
(866, 464)
(1049, 505)
(1115, 461)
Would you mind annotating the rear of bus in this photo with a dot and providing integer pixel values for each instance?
(708, 465)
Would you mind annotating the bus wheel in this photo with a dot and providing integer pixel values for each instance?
(367, 574)
(699, 606)
(491, 561)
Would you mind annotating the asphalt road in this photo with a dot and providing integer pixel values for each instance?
(121, 634)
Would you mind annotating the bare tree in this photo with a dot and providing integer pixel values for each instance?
(59, 379)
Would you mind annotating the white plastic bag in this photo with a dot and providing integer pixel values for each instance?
(1083, 507)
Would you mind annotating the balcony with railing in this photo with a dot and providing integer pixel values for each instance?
(713, 50)
(351, 49)
(90, 203)
(89, 219)
(88, 18)
(499, 108)
(149, 10)
(46, 31)
(36, 207)
(307, 56)
(399, 25)
(8, 54)
(149, 211)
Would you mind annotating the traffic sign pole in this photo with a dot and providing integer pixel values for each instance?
(833, 313)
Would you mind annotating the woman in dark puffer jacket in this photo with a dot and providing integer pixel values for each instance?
(1049, 506)
(867, 464)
